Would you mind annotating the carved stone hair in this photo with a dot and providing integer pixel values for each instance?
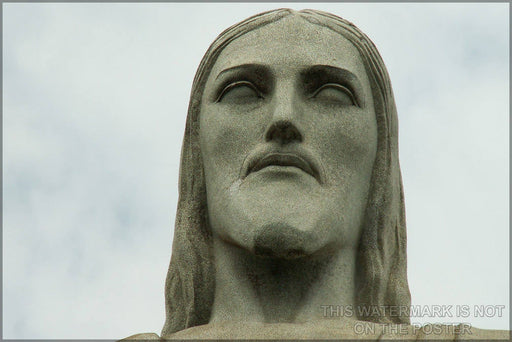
(381, 273)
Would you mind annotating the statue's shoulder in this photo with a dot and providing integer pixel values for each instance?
(354, 330)
(485, 334)
(142, 337)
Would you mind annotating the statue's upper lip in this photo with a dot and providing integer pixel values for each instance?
(299, 160)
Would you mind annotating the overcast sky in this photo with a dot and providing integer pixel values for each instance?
(95, 99)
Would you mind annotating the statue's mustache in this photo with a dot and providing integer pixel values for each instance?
(295, 157)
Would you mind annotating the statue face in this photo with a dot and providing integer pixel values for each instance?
(288, 138)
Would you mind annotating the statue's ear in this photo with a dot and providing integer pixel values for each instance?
(143, 336)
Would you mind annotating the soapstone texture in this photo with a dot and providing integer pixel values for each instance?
(290, 190)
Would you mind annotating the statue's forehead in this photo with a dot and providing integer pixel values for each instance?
(291, 41)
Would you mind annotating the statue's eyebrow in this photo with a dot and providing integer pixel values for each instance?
(315, 76)
(251, 69)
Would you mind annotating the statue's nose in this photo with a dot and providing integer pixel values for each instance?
(286, 112)
(283, 132)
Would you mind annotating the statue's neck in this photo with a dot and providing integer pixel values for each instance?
(255, 289)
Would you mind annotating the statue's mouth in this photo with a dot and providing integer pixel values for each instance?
(262, 161)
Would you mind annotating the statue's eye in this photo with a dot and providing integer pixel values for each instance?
(335, 93)
(239, 93)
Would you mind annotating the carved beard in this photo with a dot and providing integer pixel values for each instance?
(280, 241)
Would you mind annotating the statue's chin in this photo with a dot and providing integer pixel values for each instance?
(280, 222)
(282, 241)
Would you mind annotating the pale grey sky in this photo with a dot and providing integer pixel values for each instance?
(95, 99)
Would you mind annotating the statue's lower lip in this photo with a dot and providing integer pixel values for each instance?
(278, 167)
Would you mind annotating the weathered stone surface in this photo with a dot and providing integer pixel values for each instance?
(340, 330)
(291, 196)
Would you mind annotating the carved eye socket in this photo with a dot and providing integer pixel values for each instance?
(239, 93)
(335, 93)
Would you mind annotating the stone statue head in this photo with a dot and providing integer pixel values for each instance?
(345, 189)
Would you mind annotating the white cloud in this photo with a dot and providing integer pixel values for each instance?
(95, 97)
